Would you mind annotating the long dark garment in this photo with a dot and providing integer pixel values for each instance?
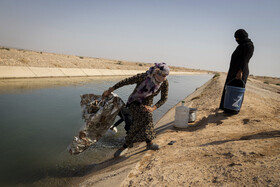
(142, 127)
(239, 61)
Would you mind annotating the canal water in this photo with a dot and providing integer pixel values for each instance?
(38, 123)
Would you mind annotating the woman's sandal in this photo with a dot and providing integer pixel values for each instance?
(120, 152)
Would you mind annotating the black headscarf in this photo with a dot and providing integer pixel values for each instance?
(241, 35)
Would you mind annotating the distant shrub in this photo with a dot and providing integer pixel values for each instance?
(57, 65)
(140, 64)
(216, 75)
(81, 57)
(41, 52)
(119, 62)
(265, 82)
(5, 48)
(24, 60)
(278, 84)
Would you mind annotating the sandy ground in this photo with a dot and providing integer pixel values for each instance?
(216, 150)
(219, 150)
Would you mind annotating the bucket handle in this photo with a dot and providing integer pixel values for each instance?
(237, 79)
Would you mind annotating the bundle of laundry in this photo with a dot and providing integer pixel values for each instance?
(99, 115)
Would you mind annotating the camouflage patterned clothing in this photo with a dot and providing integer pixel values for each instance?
(142, 128)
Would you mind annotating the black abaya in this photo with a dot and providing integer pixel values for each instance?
(239, 61)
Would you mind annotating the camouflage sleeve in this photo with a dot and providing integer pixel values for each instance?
(164, 94)
(131, 80)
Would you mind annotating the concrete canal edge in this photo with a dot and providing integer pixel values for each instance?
(12, 72)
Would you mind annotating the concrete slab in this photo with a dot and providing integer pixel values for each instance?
(127, 72)
(15, 72)
(47, 72)
(134, 72)
(118, 72)
(185, 73)
(33, 72)
(106, 71)
(140, 71)
(92, 72)
(72, 72)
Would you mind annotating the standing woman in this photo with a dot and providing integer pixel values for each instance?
(239, 61)
(149, 84)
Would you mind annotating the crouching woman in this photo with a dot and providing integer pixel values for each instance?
(148, 85)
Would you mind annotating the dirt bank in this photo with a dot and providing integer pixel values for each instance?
(27, 58)
(219, 150)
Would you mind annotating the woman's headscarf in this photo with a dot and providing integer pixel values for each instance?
(242, 36)
(162, 67)
(150, 85)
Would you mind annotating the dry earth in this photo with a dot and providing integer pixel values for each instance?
(19, 57)
(219, 149)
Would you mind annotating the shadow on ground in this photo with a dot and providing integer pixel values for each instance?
(217, 118)
(262, 135)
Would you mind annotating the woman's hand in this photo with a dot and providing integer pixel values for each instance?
(150, 109)
(107, 92)
(239, 75)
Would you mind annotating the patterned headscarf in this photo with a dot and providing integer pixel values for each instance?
(149, 85)
(162, 67)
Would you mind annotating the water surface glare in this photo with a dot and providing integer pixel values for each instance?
(37, 125)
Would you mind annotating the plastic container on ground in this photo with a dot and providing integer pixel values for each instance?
(234, 97)
(181, 116)
(192, 115)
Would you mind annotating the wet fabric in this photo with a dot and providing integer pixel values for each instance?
(99, 115)
(239, 60)
(142, 128)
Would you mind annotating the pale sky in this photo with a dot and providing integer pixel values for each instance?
(191, 33)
